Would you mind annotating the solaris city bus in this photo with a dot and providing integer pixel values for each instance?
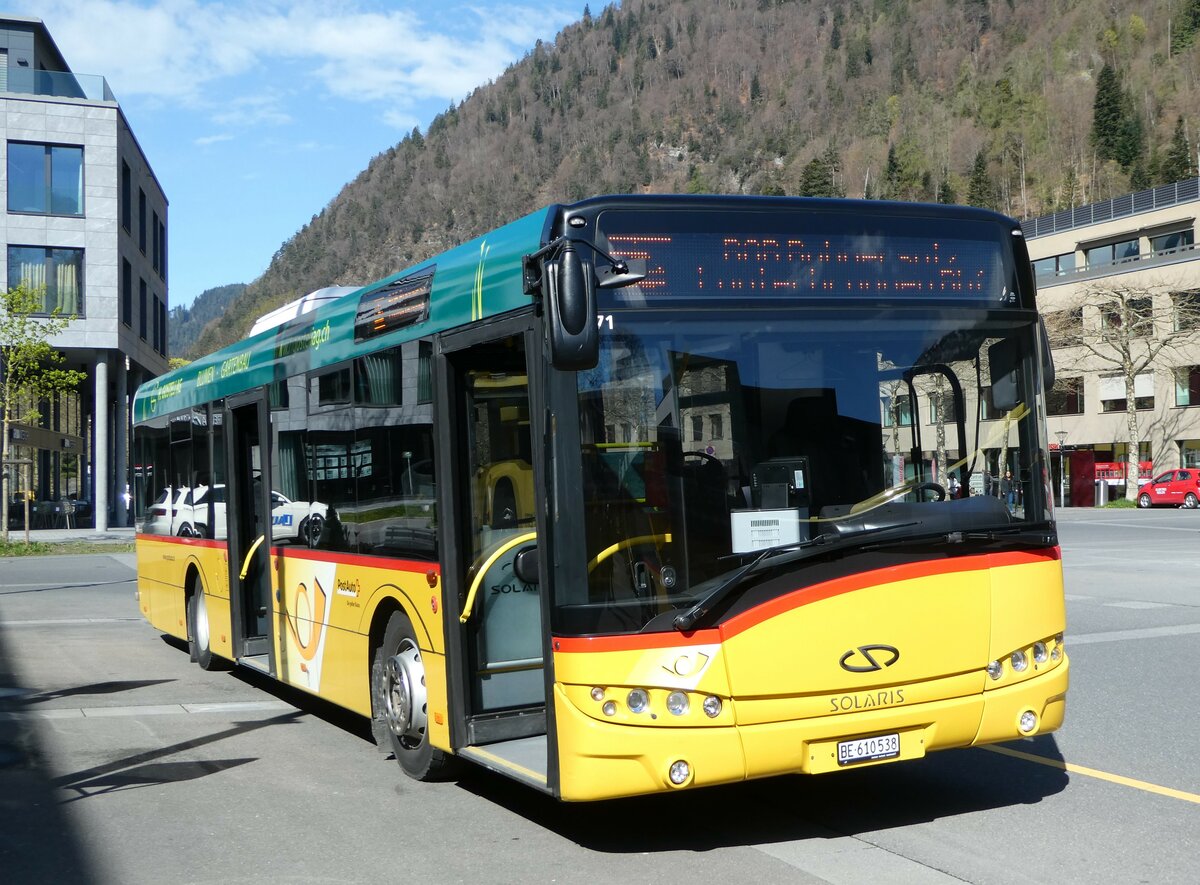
(631, 495)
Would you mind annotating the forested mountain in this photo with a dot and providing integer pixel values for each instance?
(1028, 106)
(186, 323)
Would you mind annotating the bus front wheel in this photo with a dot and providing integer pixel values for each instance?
(399, 712)
(198, 630)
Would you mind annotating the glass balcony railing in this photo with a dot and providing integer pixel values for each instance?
(60, 84)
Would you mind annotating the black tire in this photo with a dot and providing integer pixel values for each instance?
(186, 531)
(1190, 501)
(311, 530)
(199, 644)
(399, 713)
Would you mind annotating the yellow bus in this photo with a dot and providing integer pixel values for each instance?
(638, 494)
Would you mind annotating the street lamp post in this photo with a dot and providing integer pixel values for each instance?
(1062, 468)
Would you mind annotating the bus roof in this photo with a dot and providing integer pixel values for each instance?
(480, 278)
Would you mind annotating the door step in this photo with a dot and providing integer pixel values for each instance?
(524, 760)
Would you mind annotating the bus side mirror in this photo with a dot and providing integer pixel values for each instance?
(571, 310)
(1002, 364)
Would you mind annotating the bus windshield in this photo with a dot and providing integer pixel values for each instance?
(711, 435)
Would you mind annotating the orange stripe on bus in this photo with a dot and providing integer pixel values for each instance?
(805, 596)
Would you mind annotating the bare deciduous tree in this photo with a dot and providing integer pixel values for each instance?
(1125, 329)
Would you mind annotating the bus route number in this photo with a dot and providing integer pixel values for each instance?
(881, 746)
(605, 321)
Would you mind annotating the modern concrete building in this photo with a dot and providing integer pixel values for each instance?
(1141, 246)
(86, 221)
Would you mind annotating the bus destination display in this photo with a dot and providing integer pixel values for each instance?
(399, 304)
(830, 265)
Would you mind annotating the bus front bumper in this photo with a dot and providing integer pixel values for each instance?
(605, 760)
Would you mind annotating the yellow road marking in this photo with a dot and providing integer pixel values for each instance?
(1102, 775)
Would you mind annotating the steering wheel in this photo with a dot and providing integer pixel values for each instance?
(931, 487)
(706, 456)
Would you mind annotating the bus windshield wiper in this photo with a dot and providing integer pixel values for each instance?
(687, 620)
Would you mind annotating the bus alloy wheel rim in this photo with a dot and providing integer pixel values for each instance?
(201, 621)
(404, 694)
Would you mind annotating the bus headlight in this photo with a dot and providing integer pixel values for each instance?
(712, 707)
(1019, 661)
(638, 700)
(1040, 653)
(677, 703)
(995, 669)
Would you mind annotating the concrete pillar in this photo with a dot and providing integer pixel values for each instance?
(102, 466)
(121, 455)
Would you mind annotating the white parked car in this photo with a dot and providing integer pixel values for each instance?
(291, 521)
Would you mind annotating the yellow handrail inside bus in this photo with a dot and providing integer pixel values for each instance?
(487, 564)
(250, 553)
(626, 544)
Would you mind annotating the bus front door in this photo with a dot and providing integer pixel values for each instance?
(496, 619)
(249, 529)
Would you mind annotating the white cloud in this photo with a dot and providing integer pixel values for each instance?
(252, 110)
(180, 49)
(206, 140)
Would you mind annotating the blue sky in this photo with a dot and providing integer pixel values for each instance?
(255, 113)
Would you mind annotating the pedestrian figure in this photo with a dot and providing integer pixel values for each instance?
(1008, 489)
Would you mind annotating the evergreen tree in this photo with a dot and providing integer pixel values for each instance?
(945, 193)
(1106, 113)
(817, 179)
(1139, 178)
(1176, 164)
(981, 191)
(891, 174)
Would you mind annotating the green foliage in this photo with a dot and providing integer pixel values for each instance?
(981, 189)
(1116, 128)
(1184, 26)
(1176, 163)
(818, 177)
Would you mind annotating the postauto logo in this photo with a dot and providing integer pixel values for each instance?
(869, 658)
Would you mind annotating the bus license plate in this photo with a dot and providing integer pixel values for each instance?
(871, 749)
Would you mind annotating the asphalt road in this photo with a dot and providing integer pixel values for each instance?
(121, 762)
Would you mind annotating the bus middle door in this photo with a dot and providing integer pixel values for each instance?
(248, 521)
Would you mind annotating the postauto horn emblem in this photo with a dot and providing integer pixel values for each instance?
(869, 658)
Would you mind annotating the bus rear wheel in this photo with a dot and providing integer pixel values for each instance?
(399, 711)
(198, 630)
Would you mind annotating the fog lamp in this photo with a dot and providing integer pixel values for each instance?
(677, 703)
(1020, 661)
(1028, 723)
(638, 701)
(680, 772)
(712, 707)
(609, 708)
(995, 669)
(597, 694)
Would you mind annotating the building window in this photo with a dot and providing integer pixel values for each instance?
(1187, 386)
(1112, 253)
(941, 403)
(1112, 392)
(162, 325)
(1173, 242)
(1066, 397)
(142, 309)
(56, 273)
(697, 428)
(897, 411)
(156, 341)
(126, 293)
(162, 249)
(1138, 311)
(45, 179)
(126, 197)
(1054, 266)
(1186, 307)
(718, 426)
(154, 229)
(1065, 327)
(142, 220)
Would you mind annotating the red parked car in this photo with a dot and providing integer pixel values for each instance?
(1178, 488)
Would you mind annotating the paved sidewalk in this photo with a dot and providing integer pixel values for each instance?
(59, 536)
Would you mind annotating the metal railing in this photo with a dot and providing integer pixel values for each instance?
(1118, 207)
(59, 84)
